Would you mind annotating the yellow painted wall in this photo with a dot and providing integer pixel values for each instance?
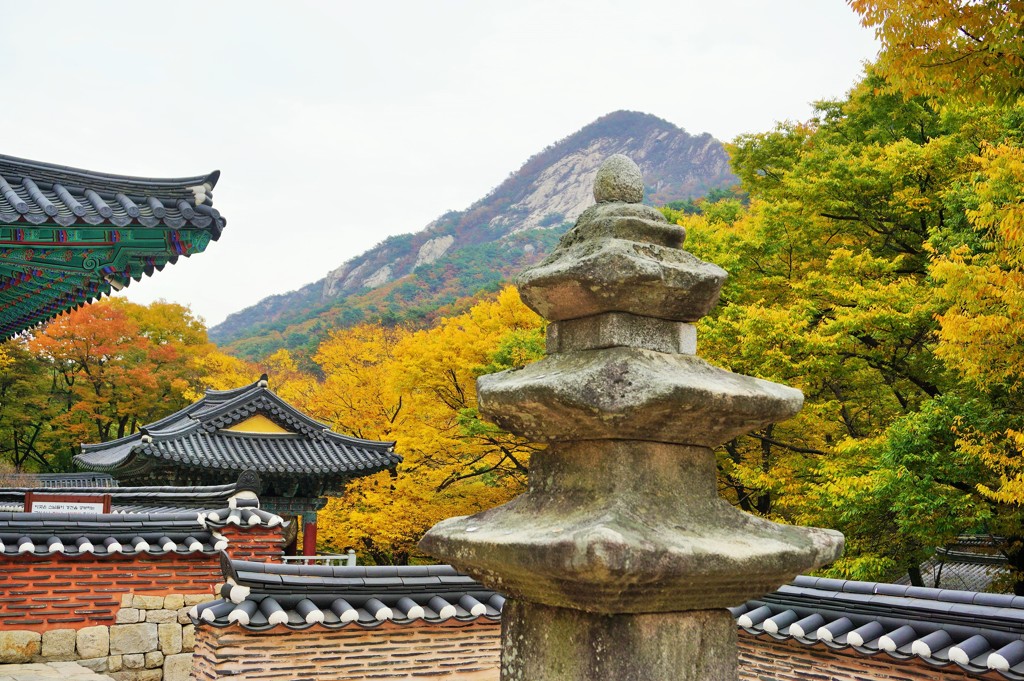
(257, 424)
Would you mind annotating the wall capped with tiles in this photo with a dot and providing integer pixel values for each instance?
(59, 591)
(120, 613)
(763, 658)
(460, 651)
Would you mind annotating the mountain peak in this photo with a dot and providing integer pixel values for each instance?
(513, 226)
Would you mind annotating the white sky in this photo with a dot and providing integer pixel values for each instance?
(336, 124)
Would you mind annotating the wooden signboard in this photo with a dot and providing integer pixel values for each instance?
(42, 502)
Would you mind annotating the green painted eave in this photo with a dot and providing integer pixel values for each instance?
(48, 269)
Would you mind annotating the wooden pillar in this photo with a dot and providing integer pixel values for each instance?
(309, 533)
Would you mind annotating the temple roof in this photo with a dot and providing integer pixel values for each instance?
(68, 236)
(229, 431)
(111, 534)
(260, 596)
(38, 481)
(143, 499)
(969, 563)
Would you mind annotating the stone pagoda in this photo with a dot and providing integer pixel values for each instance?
(620, 559)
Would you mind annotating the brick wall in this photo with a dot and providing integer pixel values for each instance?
(259, 543)
(471, 651)
(765, 659)
(462, 651)
(60, 591)
(38, 593)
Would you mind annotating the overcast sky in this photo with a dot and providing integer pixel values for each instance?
(336, 124)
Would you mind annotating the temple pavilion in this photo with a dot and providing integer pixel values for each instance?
(69, 236)
(299, 460)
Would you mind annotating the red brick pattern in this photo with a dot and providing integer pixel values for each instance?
(765, 659)
(259, 543)
(461, 651)
(70, 592)
(470, 652)
(58, 591)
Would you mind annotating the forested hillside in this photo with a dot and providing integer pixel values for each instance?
(408, 278)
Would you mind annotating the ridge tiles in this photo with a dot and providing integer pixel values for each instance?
(195, 436)
(978, 632)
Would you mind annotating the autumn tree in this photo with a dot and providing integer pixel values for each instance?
(115, 365)
(847, 278)
(419, 389)
(966, 50)
(26, 412)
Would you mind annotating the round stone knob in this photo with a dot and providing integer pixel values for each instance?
(619, 179)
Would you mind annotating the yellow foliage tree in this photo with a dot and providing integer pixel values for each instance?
(419, 389)
(954, 49)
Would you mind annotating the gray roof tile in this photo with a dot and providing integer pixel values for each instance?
(196, 437)
(261, 596)
(898, 620)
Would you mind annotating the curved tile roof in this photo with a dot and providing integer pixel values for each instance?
(261, 596)
(977, 632)
(68, 236)
(122, 498)
(40, 481)
(198, 437)
(36, 193)
(110, 534)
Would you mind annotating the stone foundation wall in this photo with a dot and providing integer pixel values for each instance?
(461, 651)
(767, 659)
(151, 639)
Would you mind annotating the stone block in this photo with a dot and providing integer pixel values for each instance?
(178, 667)
(154, 659)
(138, 675)
(183, 617)
(600, 275)
(115, 663)
(624, 393)
(170, 636)
(59, 643)
(133, 638)
(19, 646)
(126, 601)
(134, 661)
(161, 616)
(97, 664)
(148, 602)
(128, 616)
(188, 637)
(71, 671)
(93, 642)
(678, 645)
(619, 329)
(174, 601)
(196, 599)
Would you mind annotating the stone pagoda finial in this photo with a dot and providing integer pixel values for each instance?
(620, 559)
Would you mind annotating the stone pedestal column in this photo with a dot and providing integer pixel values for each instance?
(620, 558)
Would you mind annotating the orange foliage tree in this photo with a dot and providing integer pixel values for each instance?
(115, 365)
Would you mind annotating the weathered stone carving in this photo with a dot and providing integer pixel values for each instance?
(620, 558)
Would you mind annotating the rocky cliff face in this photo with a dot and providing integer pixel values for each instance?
(550, 191)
